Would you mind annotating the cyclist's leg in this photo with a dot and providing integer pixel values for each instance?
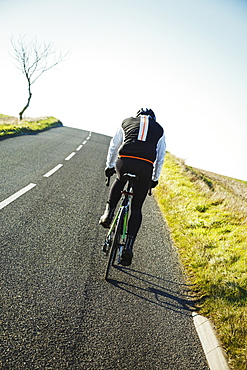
(144, 171)
(140, 188)
(114, 197)
(135, 220)
(115, 193)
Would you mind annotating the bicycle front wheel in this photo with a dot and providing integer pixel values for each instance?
(115, 243)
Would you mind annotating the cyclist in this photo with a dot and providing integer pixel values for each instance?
(138, 147)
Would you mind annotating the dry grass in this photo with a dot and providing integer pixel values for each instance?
(8, 120)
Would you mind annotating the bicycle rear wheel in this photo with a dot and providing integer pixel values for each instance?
(115, 243)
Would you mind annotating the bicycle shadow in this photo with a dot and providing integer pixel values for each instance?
(149, 288)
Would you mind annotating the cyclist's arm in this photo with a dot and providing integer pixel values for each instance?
(114, 146)
(160, 154)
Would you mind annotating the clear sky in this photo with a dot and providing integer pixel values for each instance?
(185, 59)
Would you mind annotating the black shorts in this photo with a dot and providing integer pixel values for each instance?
(144, 172)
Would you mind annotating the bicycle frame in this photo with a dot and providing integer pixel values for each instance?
(116, 236)
(125, 205)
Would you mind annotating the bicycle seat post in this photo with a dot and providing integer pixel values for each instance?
(130, 177)
(130, 185)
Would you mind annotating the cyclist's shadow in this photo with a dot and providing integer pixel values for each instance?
(149, 288)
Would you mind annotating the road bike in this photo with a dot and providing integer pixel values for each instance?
(116, 237)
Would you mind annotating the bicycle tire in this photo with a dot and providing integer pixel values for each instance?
(115, 244)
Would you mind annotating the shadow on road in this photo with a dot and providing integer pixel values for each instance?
(156, 290)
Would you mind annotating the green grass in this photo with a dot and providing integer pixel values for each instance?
(208, 223)
(10, 126)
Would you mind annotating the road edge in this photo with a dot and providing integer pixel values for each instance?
(214, 352)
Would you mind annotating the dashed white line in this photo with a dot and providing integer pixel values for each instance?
(16, 195)
(79, 147)
(19, 193)
(70, 156)
(53, 170)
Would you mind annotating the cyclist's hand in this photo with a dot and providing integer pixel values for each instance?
(109, 171)
(153, 184)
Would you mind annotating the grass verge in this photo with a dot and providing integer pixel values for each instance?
(207, 220)
(9, 126)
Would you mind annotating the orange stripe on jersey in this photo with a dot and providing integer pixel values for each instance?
(131, 156)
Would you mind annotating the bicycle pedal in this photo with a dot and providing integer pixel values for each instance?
(105, 248)
(120, 250)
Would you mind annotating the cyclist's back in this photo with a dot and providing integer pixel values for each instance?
(141, 135)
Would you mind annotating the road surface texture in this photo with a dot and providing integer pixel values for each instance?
(57, 310)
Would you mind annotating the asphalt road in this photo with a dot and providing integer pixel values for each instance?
(57, 311)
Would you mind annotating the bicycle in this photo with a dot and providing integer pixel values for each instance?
(116, 237)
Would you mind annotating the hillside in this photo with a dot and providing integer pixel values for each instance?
(207, 217)
(10, 120)
(237, 187)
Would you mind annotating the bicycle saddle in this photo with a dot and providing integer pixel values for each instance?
(130, 177)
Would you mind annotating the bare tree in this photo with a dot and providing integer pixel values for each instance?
(33, 59)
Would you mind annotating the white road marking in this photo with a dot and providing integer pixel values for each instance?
(16, 195)
(19, 193)
(70, 156)
(53, 170)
